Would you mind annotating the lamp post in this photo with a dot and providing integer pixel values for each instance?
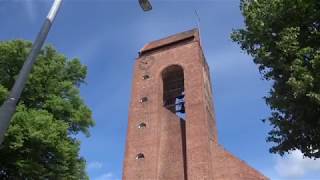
(9, 106)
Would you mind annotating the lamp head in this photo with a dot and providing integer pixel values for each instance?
(145, 5)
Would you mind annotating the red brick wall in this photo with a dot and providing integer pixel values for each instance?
(226, 166)
(171, 157)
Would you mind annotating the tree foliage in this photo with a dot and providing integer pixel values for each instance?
(40, 142)
(283, 37)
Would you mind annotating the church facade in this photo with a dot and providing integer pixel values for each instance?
(171, 128)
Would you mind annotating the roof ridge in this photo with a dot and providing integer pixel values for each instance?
(170, 40)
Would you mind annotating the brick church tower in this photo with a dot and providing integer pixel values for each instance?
(172, 133)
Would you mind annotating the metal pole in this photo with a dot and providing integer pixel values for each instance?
(9, 106)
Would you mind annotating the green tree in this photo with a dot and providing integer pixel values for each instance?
(40, 142)
(283, 37)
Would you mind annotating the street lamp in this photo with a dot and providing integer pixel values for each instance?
(9, 106)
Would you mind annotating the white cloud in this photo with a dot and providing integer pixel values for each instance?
(295, 165)
(95, 165)
(106, 176)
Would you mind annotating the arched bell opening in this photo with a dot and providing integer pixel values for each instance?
(174, 101)
(173, 90)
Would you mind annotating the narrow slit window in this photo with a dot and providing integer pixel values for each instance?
(144, 99)
(142, 125)
(145, 77)
(140, 156)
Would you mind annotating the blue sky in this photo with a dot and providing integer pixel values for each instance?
(107, 34)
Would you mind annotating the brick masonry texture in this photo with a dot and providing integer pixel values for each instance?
(176, 148)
